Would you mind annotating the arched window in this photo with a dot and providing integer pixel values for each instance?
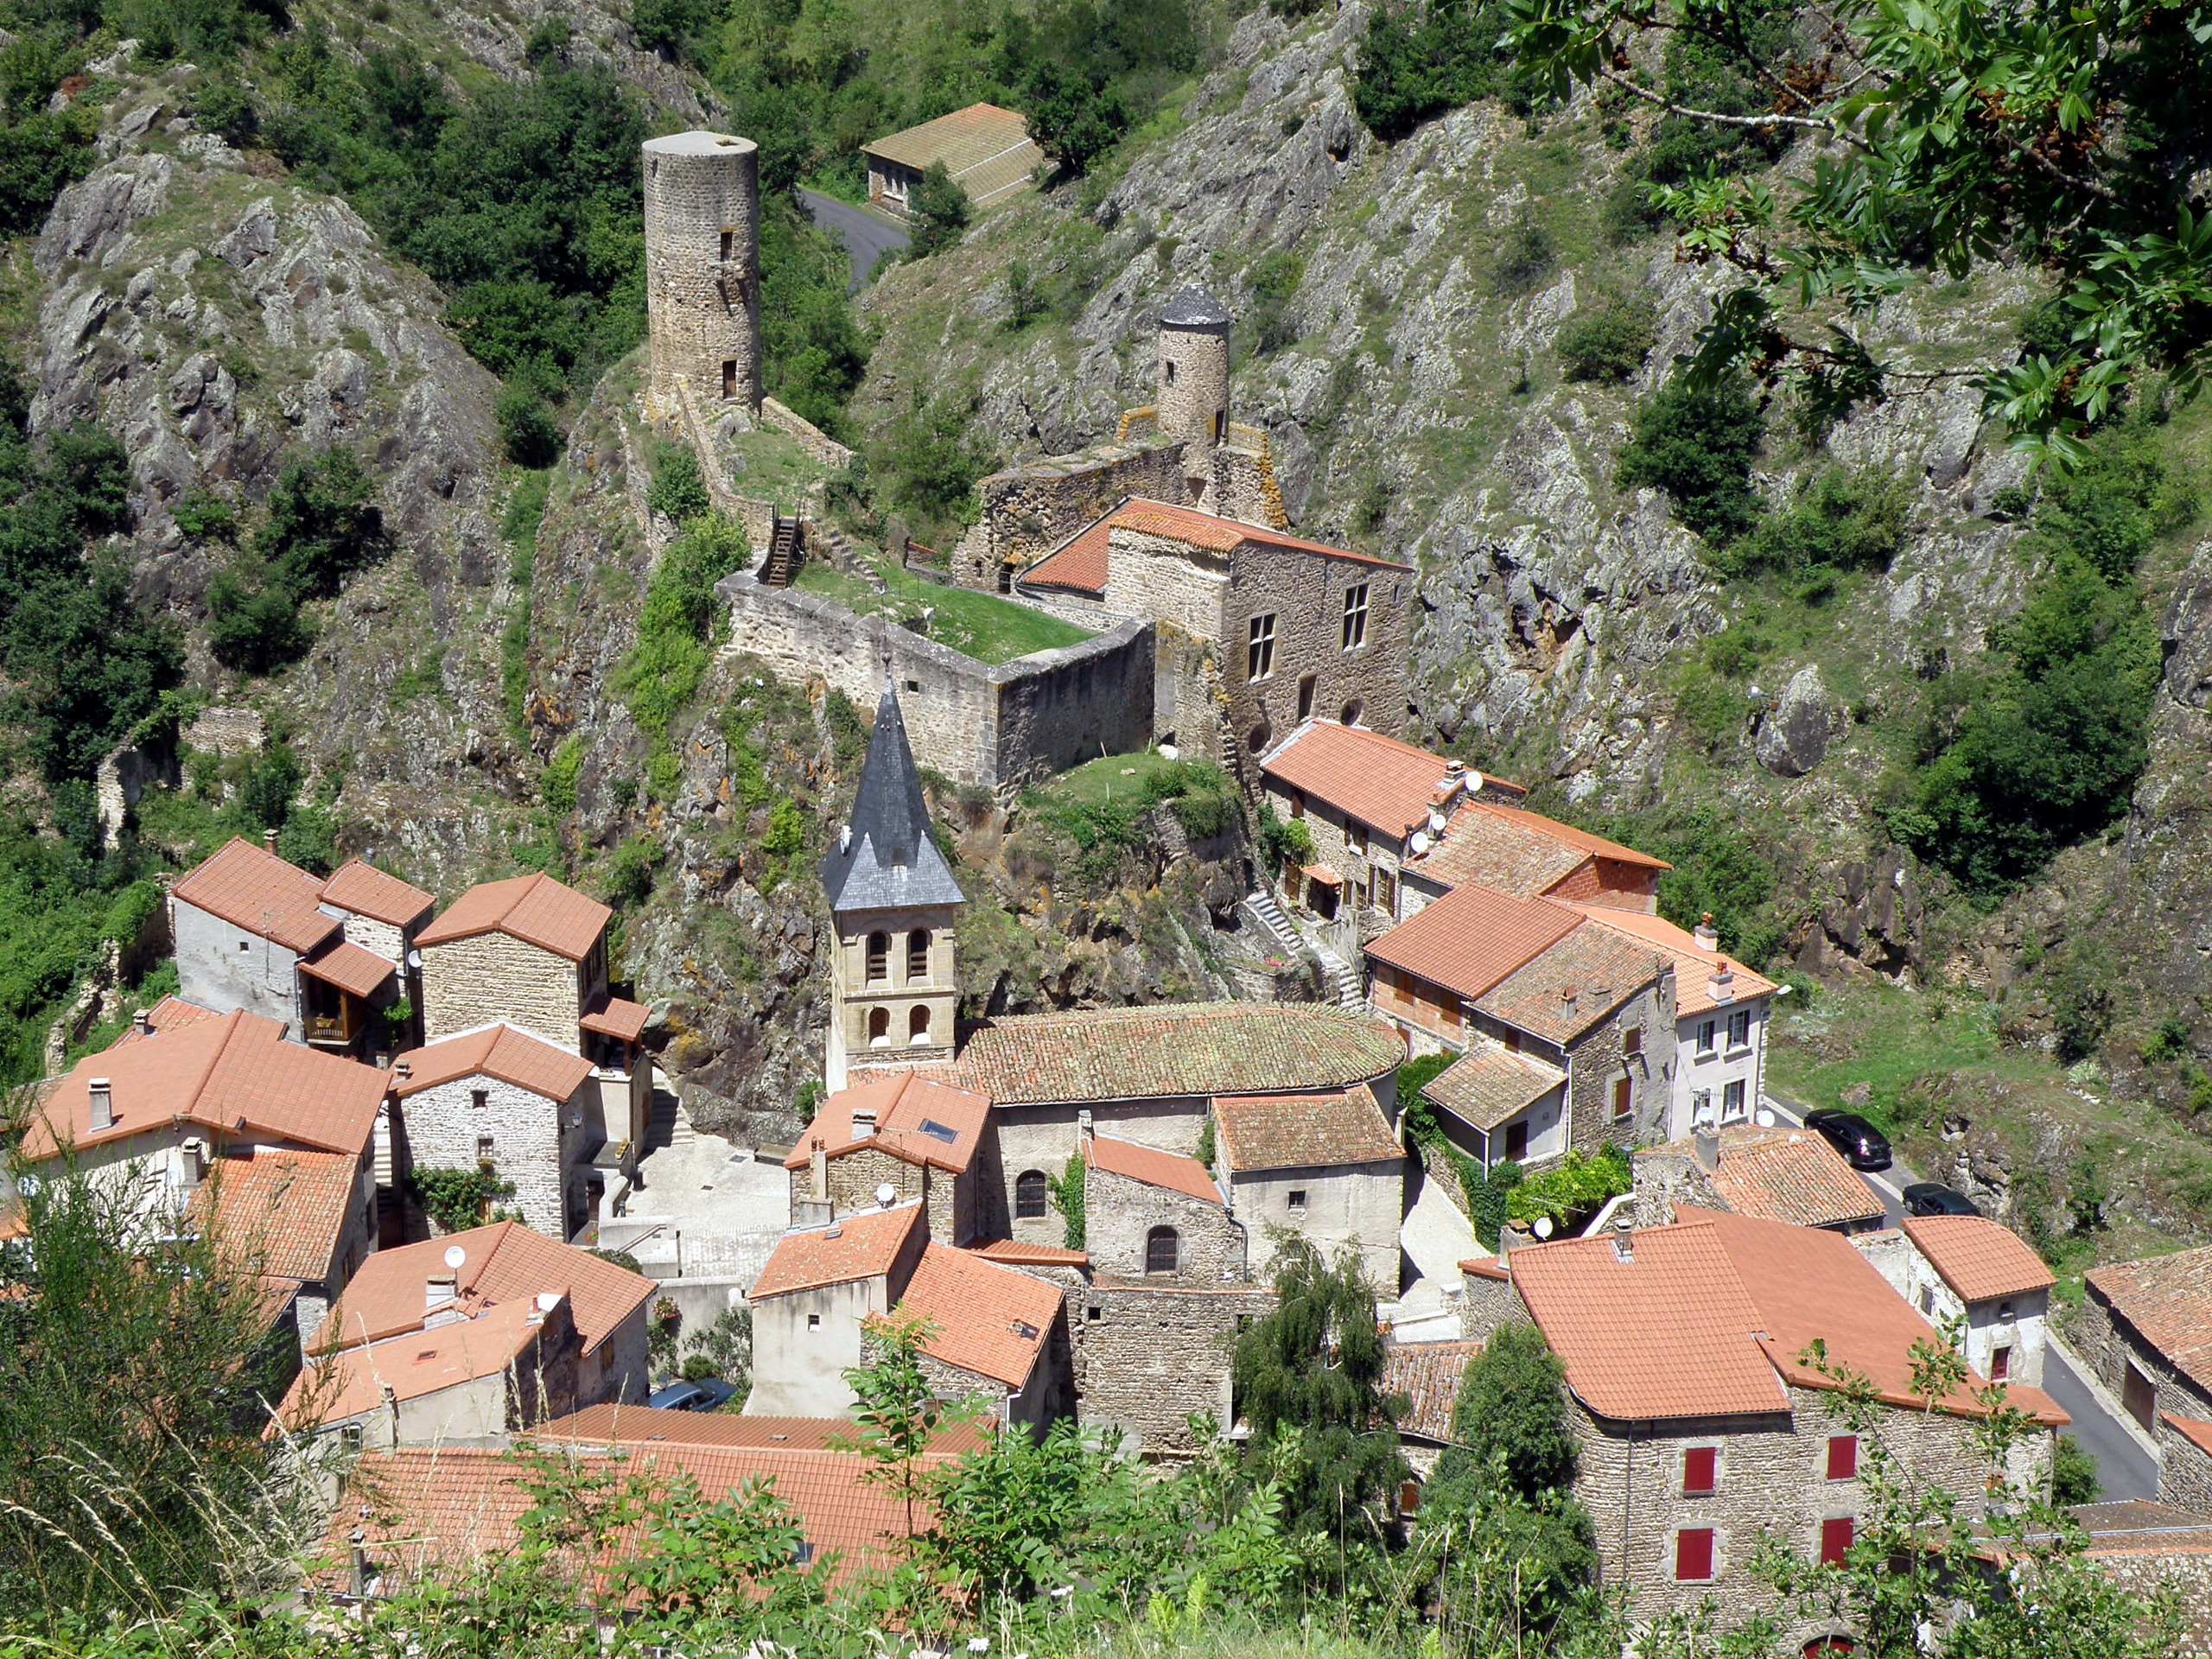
(879, 1028)
(1163, 1250)
(917, 1024)
(1259, 736)
(879, 957)
(918, 954)
(1029, 1195)
(1352, 711)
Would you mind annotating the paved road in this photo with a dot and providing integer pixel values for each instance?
(2124, 1468)
(868, 237)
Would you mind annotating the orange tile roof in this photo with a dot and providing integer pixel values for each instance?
(498, 1051)
(1694, 965)
(2169, 1299)
(233, 1074)
(250, 886)
(1428, 1374)
(989, 1319)
(2195, 1430)
(1480, 849)
(1019, 1253)
(1602, 969)
(377, 894)
(1489, 1083)
(171, 1014)
(1175, 1049)
(353, 1379)
(860, 1246)
(505, 1264)
(1078, 564)
(1151, 1167)
(535, 909)
(1789, 1175)
(339, 963)
(613, 1424)
(1303, 1131)
(917, 1121)
(1082, 563)
(1471, 938)
(616, 1017)
(1385, 785)
(1979, 1259)
(1567, 836)
(285, 1211)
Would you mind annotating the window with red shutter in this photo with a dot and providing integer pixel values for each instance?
(1843, 1456)
(1836, 1539)
(2000, 1364)
(1700, 1468)
(1694, 1553)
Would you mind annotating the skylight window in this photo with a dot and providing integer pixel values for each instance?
(937, 1131)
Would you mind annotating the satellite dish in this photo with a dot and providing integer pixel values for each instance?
(1474, 784)
(454, 1256)
(1543, 1227)
(1765, 1119)
(1435, 821)
(1421, 842)
(886, 1194)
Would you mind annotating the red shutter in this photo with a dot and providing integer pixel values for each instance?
(2000, 1364)
(1836, 1539)
(1843, 1456)
(1694, 1553)
(1621, 1106)
(1701, 1464)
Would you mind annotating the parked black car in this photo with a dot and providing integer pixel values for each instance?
(706, 1394)
(1853, 1136)
(1934, 1199)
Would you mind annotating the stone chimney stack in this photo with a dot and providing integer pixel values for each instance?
(1706, 937)
(268, 840)
(143, 1022)
(817, 1172)
(439, 1295)
(1704, 1141)
(702, 272)
(103, 1094)
(863, 1123)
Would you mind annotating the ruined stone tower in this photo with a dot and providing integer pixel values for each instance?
(702, 269)
(1193, 400)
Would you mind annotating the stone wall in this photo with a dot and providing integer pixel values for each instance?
(1119, 1215)
(1491, 1303)
(932, 996)
(703, 278)
(1193, 391)
(1305, 594)
(470, 983)
(1044, 1138)
(1148, 1358)
(1670, 1176)
(225, 732)
(532, 1145)
(1030, 509)
(221, 966)
(852, 1179)
(1600, 1057)
(818, 444)
(998, 728)
(1357, 1205)
(2107, 1343)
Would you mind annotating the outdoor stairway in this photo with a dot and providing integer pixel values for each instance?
(1351, 989)
(782, 563)
(1261, 904)
(668, 1124)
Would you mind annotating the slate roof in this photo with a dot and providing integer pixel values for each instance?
(1489, 1085)
(1428, 1374)
(987, 150)
(1173, 1050)
(1602, 969)
(498, 1051)
(233, 1074)
(1789, 1175)
(381, 896)
(1303, 1131)
(614, 1424)
(2169, 1299)
(991, 1320)
(1195, 307)
(886, 857)
(1979, 1259)
(507, 1264)
(1384, 784)
(1471, 938)
(283, 1211)
(251, 887)
(1695, 966)
(1166, 1170)
(346, 965)
(917, 1121)
(534, 908)
(858, 1246)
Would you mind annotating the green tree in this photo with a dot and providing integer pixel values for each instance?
(1607, 339)
(1696, 443)
(897, 1408)
(1074, 116)
(939, 212)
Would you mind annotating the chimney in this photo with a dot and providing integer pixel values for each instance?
(268, 839)
(1706, 937)
(1704, 1141)
(438, 1298)
(863, 1123)
(541, 1306)
(143, 1022)
(1625, 1248)
(103, 1104)
(1567, 999)
(1722, 986)
(195, 1161)
(817, 1169)
(1083, 1130)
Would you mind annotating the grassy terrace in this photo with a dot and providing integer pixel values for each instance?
(981, 626)
(771, 467)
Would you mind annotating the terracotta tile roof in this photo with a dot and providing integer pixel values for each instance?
(233, 1074)
(917, 1121)
(1481, 848)
(1567, 836)
(1428, 1374)
(350, 968)
(1471, 938)
(1489, 1083)
(860, 1246)
(353, 1380)
(1602, 969)
(1695, 966)
(986, 149)
(497, 1051)
(1219, 534)
(285, 1211)
(1175, 1049)
(616, 1017)
(1385, 785)
(2169, 1299)
(1018, 1252)
(1789, 1175)
(171, 1014)
(620, 1424)
(1303, 1131)
(250, 886)
(2195, 1430)
(535, 909)
(1979, 1259)
(1168, 1170)
(991, 1320)
(377, 894)
(1078, 564)
(507, 1264)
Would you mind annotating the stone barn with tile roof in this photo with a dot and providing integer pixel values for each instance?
(529, 950)
(1157, 1217)
(1327, 1168)
(2145, 1329)
(987, 150)
(1776, 1175)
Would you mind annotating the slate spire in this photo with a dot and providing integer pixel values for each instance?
(885, 857)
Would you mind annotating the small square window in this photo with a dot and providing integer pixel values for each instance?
(1835, 1541)
(479, 1098)
(1297, 1197)
(1693, 1555)
(1700, 1470)
(1843, 1456)
(245, 945)
(1632, 1039)
(1092, 1313)
(1927, 1301)
(814, 1321)
(483, 1149)
(805, 1552)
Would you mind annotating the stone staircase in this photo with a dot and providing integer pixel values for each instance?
(1261, 904)
(1351, 985)
(668, 1124)
(781, 565)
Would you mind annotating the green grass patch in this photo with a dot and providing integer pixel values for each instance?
(981, 626)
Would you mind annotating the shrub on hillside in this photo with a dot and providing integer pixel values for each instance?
(527, 429)
(1607, 339)
(1841, 521)
(1697, 446)
(1415, 64)
(677, 489)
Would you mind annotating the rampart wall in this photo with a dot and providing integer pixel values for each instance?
(1030, 509)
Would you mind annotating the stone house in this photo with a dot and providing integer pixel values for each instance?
(1157, 1216)
(513, 1106)
(998, 1335)
(1499, 1105)
(988, 151)
(1776, 1175)
(383, 916)
(1968, 1267)
(921, 1140)
(2145, 1329)
(2186, 1463)
(1427, 1377)
(1326, 1167)
(1151, 1356)
(1495, 843)
(1701, 1429)
(1281, 629)
(302, 1222)
(1538, 978)
(465, 1338)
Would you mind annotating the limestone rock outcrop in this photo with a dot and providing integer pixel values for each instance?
(1793, 736)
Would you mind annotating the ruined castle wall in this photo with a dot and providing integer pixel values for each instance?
(703, 275)
(1029, 510)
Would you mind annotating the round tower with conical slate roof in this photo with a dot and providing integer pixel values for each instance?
(703, 269)
(1193, 401)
